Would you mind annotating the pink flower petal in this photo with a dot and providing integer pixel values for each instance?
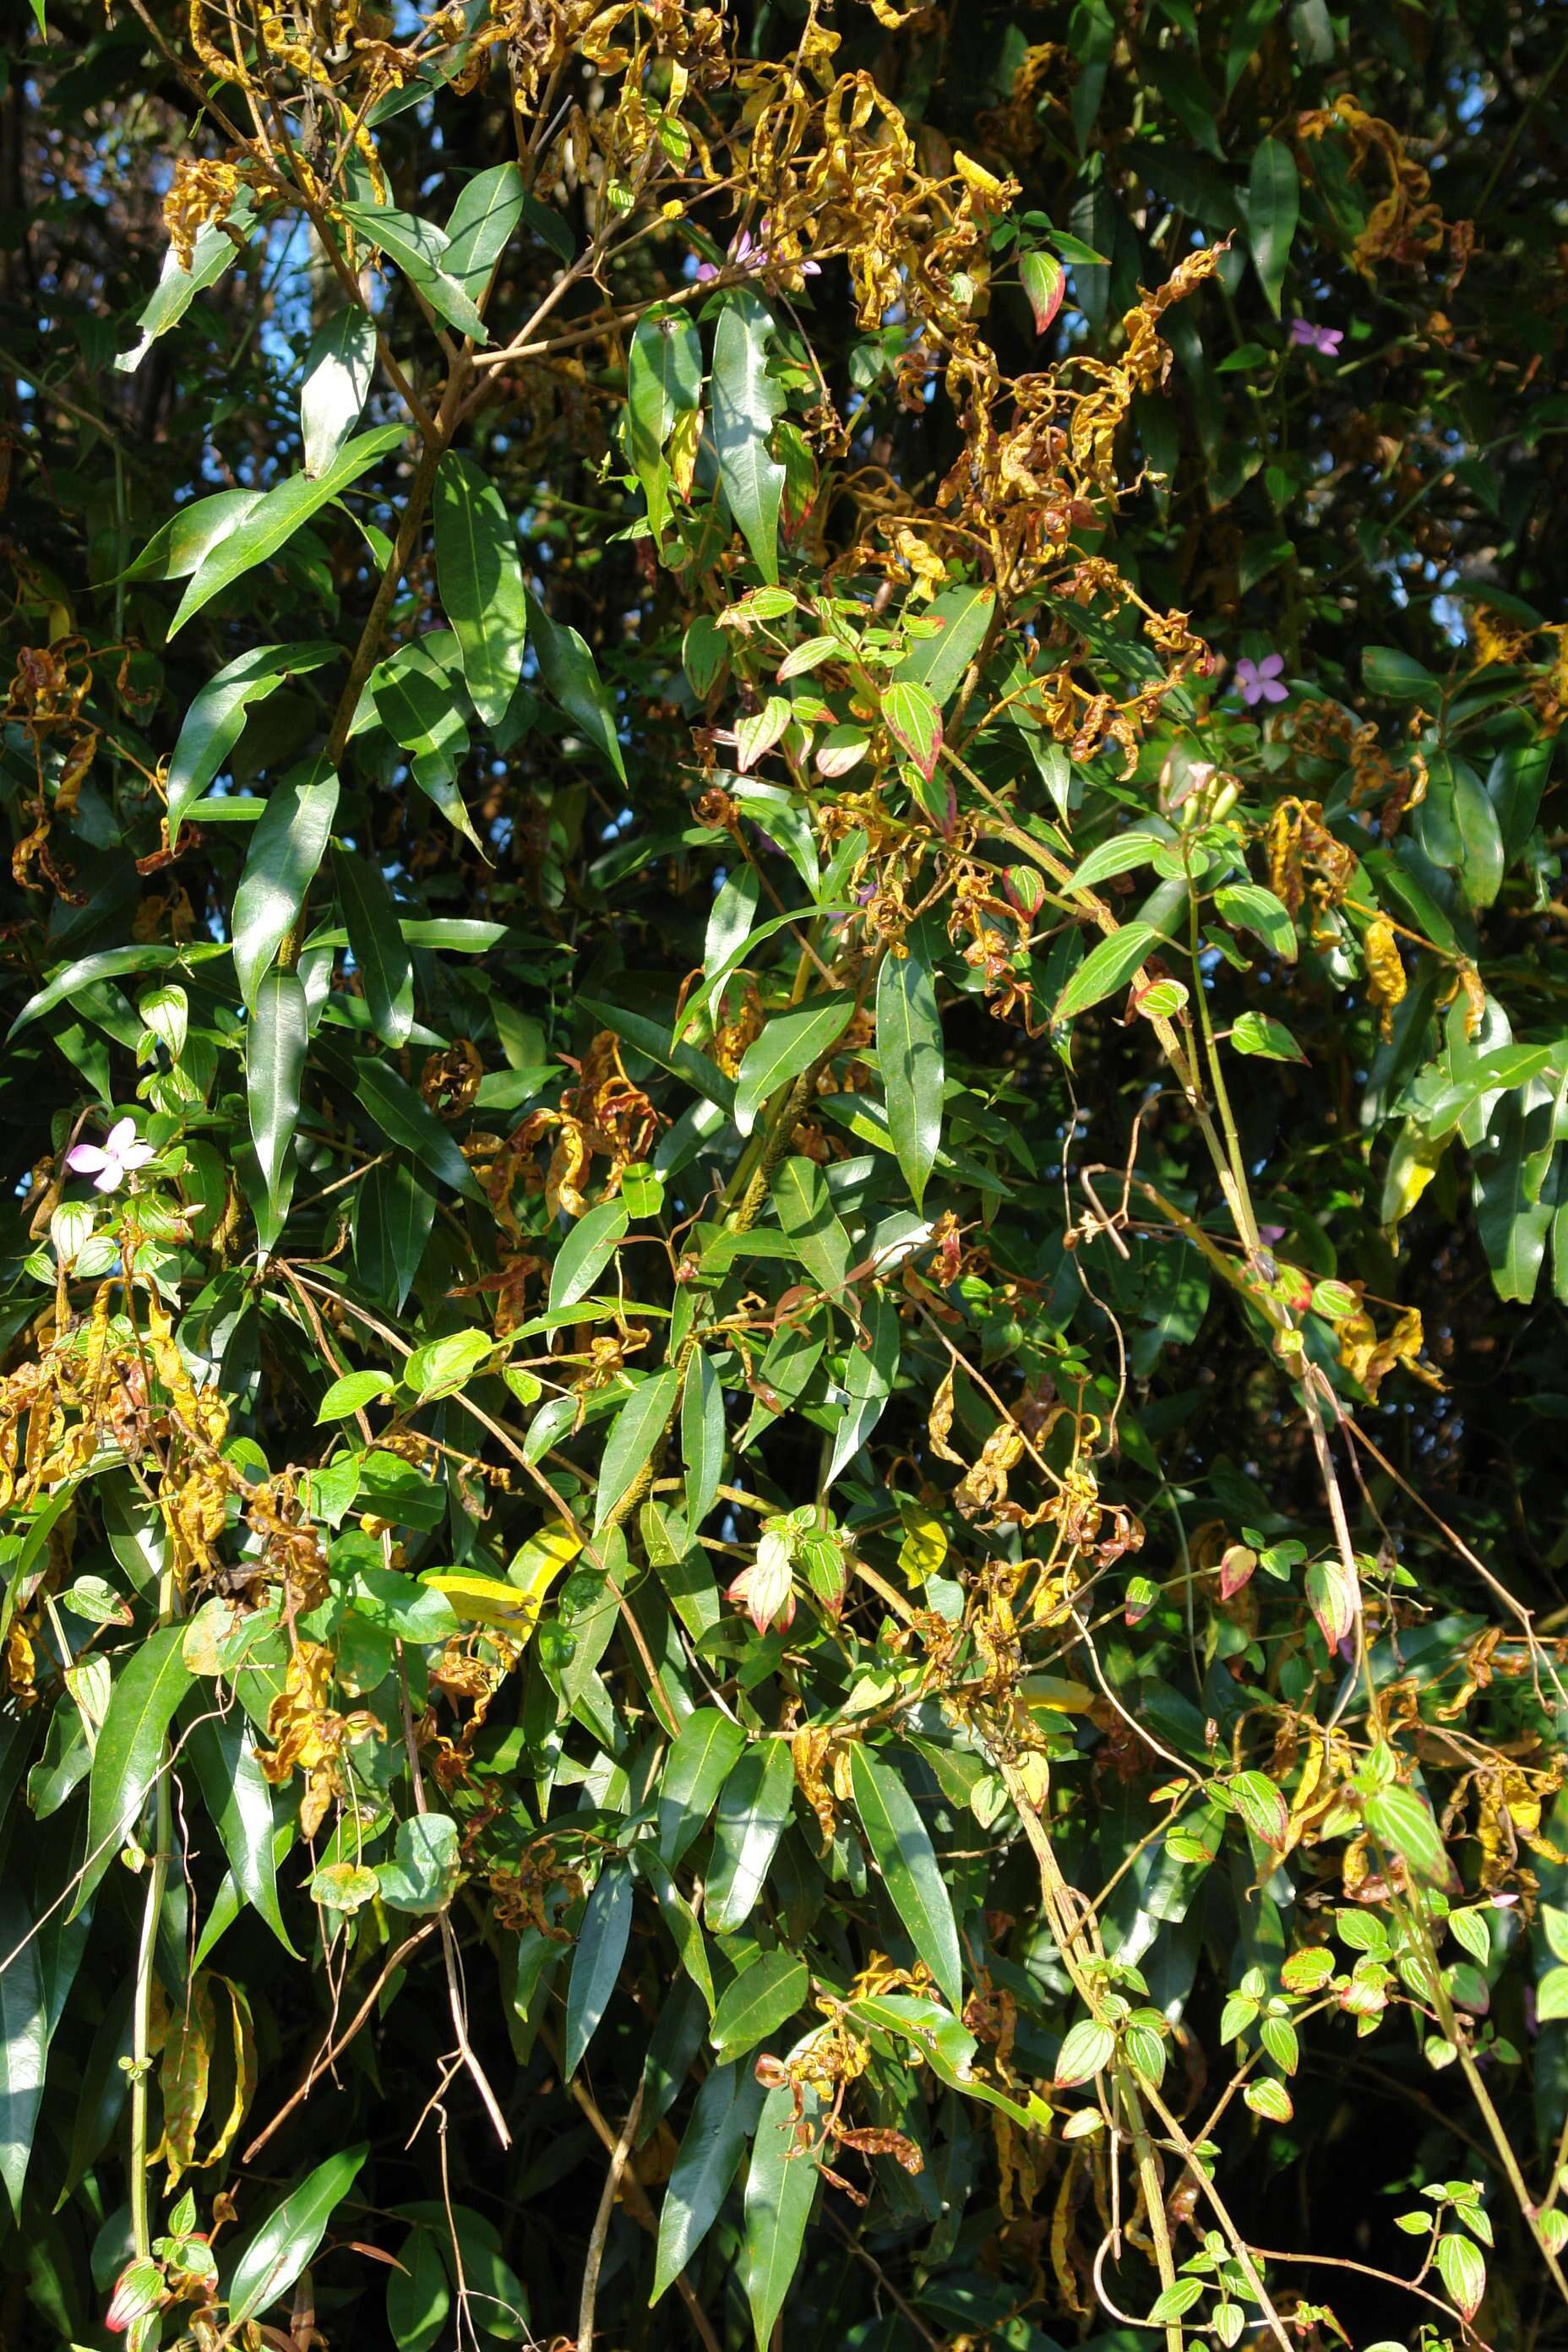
(110, 1178)
(1271, 665)
(121, 1134)
(136, 1155)
(87, 1159)
(1272, 692)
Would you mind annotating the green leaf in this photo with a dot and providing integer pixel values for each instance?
(1261, 1805)
(351, 1393)
(938, 663)
(1463, 2271)
(1273, 209)
(369, 912)
(24, 2038)
(701, 1437)
(597, 1962)
(425, 1860)
(570, 677)
(1178, 2297)
(288, 2240)
(914, 722)
(284, 853)
(909, 1057)
(756, 1803)
(277, 515)
(130, 1750)
(1400, 1821)
(238, 1798)
(1086, 2048)
(723, 2119)
(422, 253)
(762, 1998)
(441, 1366)
(392, 1216)
(337, 369)
(482, 222)
(636, 1430)
(705, 1750)
(779, 2191)
(275, 1044)
(216, 720)
(418, 2296)
(1249, 907)
(1105, 969)
(586, 1252)
(215, 252)
(177, 547)
(664, 381)
(109, 963)
(1044, 281)
(1119, 854)
(407, 1119)
(904, 1853)
(868, 1376)
(1483, 862)
(745, 402)
(1255, 1032)
(806, 1211)
(789, 1044)
(480, 576)
(1398, 678)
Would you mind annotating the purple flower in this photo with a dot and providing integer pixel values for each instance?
(1324, 341)
(110, 1163)
(749, 252)
(1259, 681)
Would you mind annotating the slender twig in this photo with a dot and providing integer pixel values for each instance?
(601, 2230)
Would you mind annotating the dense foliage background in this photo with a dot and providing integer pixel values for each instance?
(780, 1440)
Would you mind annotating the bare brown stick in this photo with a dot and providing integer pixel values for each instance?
(618, 2156)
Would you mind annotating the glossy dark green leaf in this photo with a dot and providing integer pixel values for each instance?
(902, 1847)
(805, 1211)
(789, 1045)
(762, 1998)
(664, 379)
(1273, 208)
(369, 912)
(273, 2259)
(405, 1116)
(129, 1751)
(586, 1252)
(755, 1805)
(723, 2119)
(23, 2039)
(570, 677)
(746, 400)
(276, 517)
(482, 222)
(238, 1798)
(635, 1431)
(286, 850)
(421, 251)
(909, 1057)
(480, 579)
(1105, 969)
(394, 1213)
(216, 720)
(701, 1437)
(275, 1046)
(779, 2193)
(337, 369)
(597, 1962)
(696, 1768)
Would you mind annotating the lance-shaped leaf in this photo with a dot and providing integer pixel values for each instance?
(1106, 967)
(275, 2256)
(407, 1118)
(902, 1847)
(1399, 1820)
(215, 251)
(216, 720)
(745, 402)
(239, 1797)
(762, 1998)
(664, 379)
(914, 722)
(482, 222)
(286, 850)
(421, 251)
(275, 1044)
(790, 1043)
(480, 579)
(275, 518)
(754, 1808)
(868, 1377)
(780, 2187)
(380, 950)
(910, 1055)
(177, 547)
(586, 1252)
(130, 1750)
(636, 1430)
(701, 1437)
(1273, 208)
(597, 1962)
(570, 677)
(23, 2039)
(722, 2120)
(705, 1753)
(337, 369)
